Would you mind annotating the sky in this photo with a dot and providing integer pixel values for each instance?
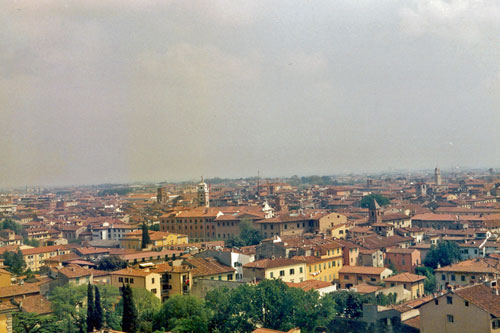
(120, 91)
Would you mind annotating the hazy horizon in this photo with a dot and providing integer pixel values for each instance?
(114, 91)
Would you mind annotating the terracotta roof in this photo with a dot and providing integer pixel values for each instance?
(19, 290)
(73, 271)
(481, 296)
(413, 322)
(308, 259)
(36, 304)
(472, 265)
(398, 250)
(435, 217)
(44, 249)
(272, 263)
(394, 217)
(208, 266)
(166, 267)
(132, 272)
(405, 277)
(362, 270)
(310, 284)
(364, 288)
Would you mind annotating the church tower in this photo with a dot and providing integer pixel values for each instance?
(437, 176)
(375, 212)
(203, 195)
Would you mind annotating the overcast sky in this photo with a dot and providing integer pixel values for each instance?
(117, 91)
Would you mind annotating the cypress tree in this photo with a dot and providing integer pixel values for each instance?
(98, 316)
(145, 236)
(90, 308)
(129, 318)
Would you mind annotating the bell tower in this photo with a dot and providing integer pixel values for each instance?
(203, 194)
(375, 212)
(437, 176)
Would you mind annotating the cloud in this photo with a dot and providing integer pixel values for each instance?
(469, 21)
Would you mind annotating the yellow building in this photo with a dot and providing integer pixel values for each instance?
(288, 270)
(133, 240)
(470, 309)
(338, 231)
(175, 280)
(5, 277)
(35, 257)
(138, 278)
(6, 311)
(325, 263)
(411, 282)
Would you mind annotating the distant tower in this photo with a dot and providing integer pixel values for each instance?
(203, 195)
(280, 204)
(375, 212)
(421, 189)
(437, 176)
(160, 196)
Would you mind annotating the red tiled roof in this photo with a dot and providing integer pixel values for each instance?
(405, 277)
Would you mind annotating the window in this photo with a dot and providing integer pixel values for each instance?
(230, 277)
(301, 270)
(436, 301)
(466, 303)
(152, 280)
(472, 277)
(132, 280)
(346, 277)
(443, 277)
(271, 275)
(282, 273)
(286, 226)
(371, 279)
(120, 279)
(453, 277)
(450, 318)
(495, 324)
(449, 300)
(292, 271)
(153, 291)
(462, 278)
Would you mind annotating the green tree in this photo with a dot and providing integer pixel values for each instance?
(182, 313)
(147, 305)
(444, 254)
(367, 200)
(146, 240)
(129, 317)
(111, 263)
(26, 322)
(31, 242)
(430, 281)
(271, 304)
(68, 305)
(14, 226)
(348, 304)
(155, 227)
(14, 262)
(98, 314)
(90, 308)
